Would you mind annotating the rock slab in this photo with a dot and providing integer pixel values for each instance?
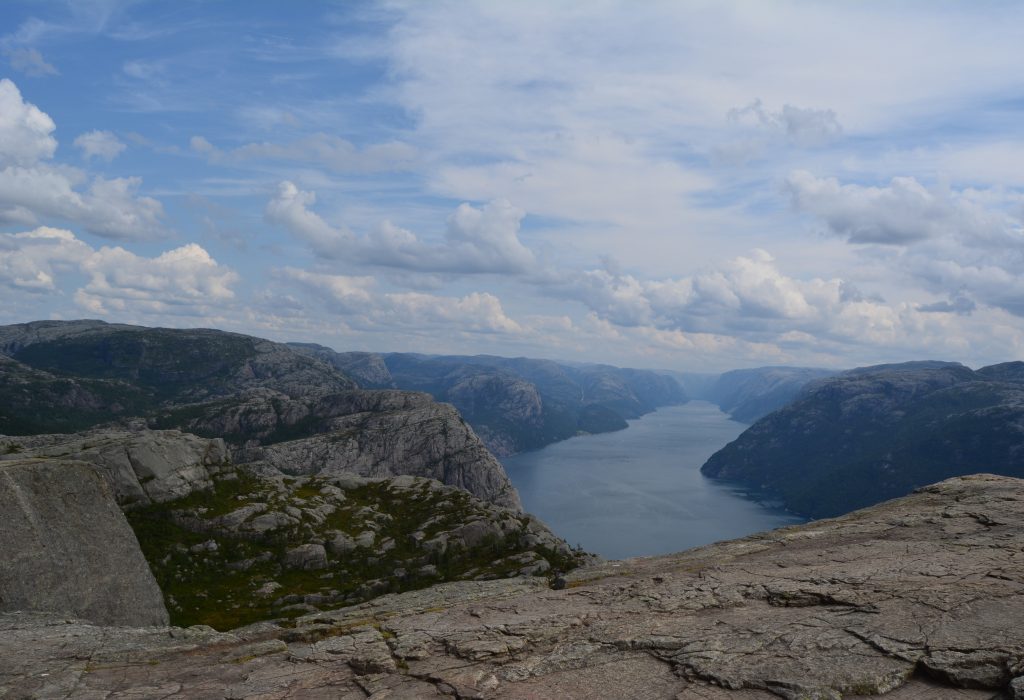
(919, 598)
(67, 548)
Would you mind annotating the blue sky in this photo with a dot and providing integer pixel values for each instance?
(698, 185)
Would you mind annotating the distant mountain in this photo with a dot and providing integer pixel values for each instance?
(875, 433)
(516, 404)
(748, 394)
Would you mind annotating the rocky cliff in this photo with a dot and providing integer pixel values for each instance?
(917, 598)
(879, 432)
(67, 549)
(268, 401)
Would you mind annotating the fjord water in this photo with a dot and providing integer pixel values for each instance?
(639, 491)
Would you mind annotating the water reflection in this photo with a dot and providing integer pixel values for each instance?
(639, 491)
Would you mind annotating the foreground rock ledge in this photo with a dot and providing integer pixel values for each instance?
(915, 598)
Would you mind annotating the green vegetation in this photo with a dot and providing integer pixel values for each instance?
(212, 573)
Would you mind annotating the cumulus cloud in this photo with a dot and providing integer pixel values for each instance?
(33, 188)
(965, 244)
(183, 278)
(746, 298)
(186, 279)
(30, 62)
(26, 132)
(31, 261)
(900, 213)
(357, 297)
(475, 241)
(99, 144)
(111, 208)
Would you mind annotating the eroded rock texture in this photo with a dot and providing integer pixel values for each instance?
(141, 466)
(916, 598)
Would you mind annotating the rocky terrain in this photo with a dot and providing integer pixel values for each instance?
(748, 394)
(912, 599)
(879, 432)
(515, 404)
(269, 402)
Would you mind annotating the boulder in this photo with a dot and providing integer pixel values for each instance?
(67, 548)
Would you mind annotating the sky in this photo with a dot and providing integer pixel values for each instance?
(684, 185)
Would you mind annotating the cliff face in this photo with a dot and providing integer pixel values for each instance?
(67, 548)
(916, 598)
(879, 432)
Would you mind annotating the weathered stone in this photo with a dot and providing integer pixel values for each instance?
(142, 466)
(306, 556)
(833, 609)
(65, 547)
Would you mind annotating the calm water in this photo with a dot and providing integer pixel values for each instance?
(639, 491)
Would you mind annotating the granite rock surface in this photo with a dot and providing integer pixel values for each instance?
(922, 597)
(67, 548)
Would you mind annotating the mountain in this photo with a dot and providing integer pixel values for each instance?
(879, 432)
(516, 404)
(915, 598)
(748, 394)
(254, 393)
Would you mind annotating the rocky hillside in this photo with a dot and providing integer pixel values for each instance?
(916, 598)
(516, 404)
(879, 432)
(270, 403)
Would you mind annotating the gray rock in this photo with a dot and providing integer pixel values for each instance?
(306, 556)
(340, 544)
(838, 608)
(143, 466)
(384, 434)
(66, 547)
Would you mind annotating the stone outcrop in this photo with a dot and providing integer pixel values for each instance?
(917, 598)
(67, 548)
(413, 435)
(257, 548)
(142, 466)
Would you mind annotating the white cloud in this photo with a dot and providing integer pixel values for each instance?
(26, 132)
(357, 298)
(99, 144)
(900, 213)
(32, 188)
(289, 207)
(33, 260)
(186, 279)
(475, 241)
(30, 62)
